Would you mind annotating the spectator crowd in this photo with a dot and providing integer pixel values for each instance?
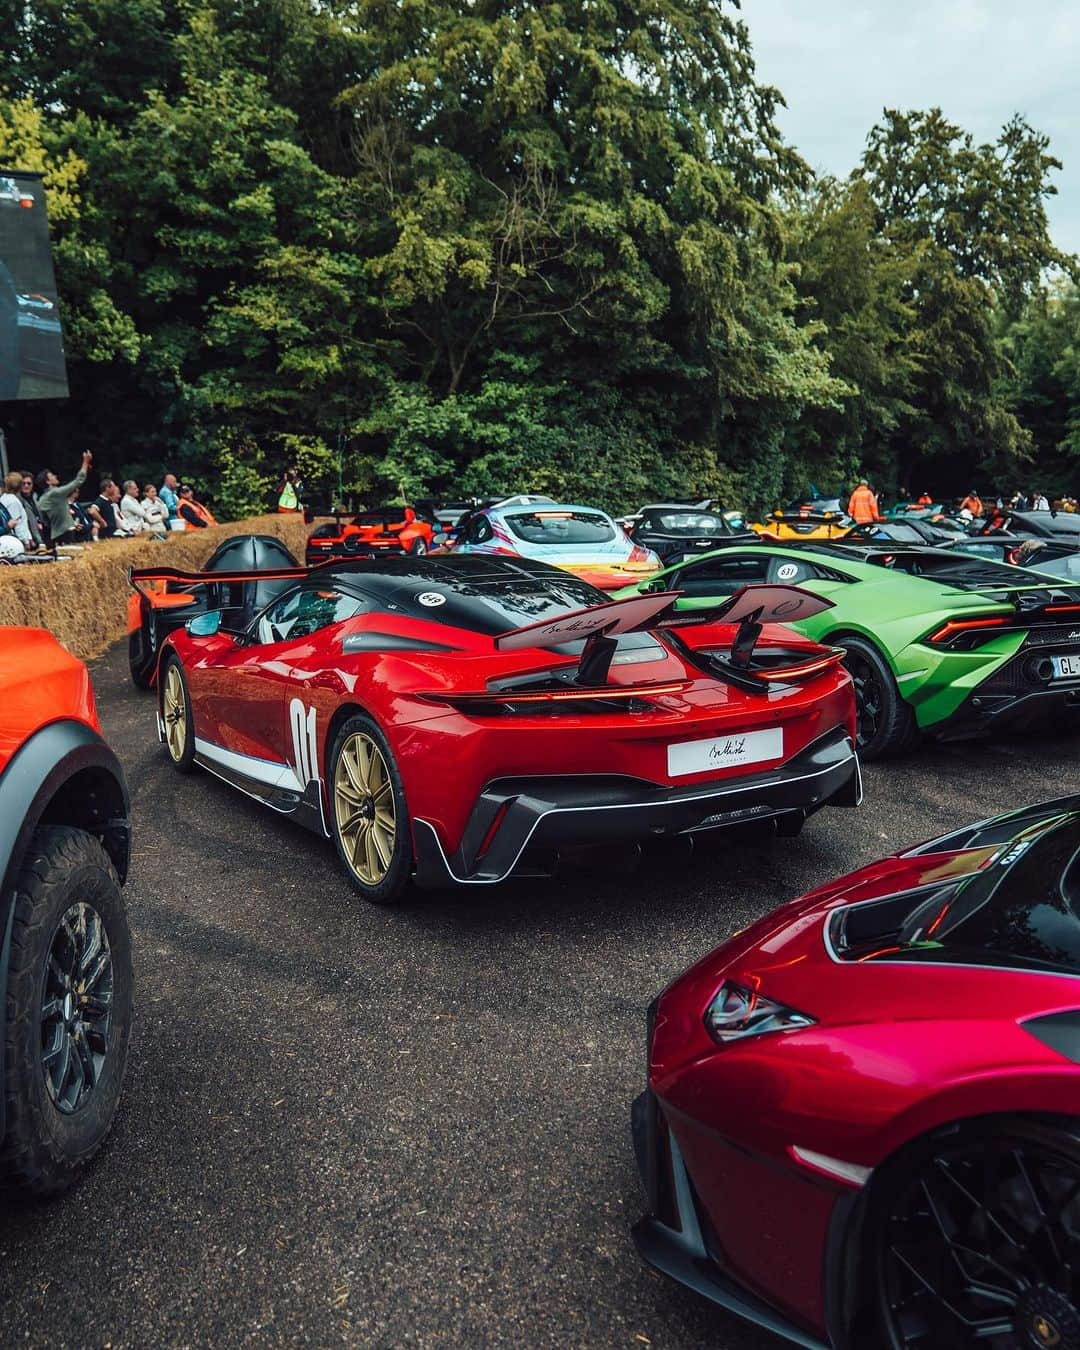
(41, 515)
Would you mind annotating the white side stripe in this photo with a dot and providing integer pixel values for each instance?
(261, 770)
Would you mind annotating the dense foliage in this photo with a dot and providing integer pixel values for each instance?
(468, 245)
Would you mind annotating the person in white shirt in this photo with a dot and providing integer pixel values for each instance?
(133, 515)
(1039, 502)
(155, 509)
(11, 500)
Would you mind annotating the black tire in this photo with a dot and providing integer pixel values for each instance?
(49, 1139)
(142, 654)
(418, 548)
(980, 1223)
(179, 748)
(391, 886)
(885, 723)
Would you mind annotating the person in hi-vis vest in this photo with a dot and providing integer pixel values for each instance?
(289, 492)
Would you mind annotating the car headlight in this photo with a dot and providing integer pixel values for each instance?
(736, 1012)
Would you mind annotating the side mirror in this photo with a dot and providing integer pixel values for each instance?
(205, 625)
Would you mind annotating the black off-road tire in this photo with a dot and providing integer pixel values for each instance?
(886, 723)
(395, 886)
(44, 1150)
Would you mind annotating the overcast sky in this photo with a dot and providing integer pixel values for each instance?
(839, 62)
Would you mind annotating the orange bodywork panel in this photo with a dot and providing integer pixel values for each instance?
(40, 682)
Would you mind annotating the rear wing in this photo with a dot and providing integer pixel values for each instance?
(751, 604)
(149, 580)
(750, 608)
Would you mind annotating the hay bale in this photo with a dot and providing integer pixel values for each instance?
(83, 603)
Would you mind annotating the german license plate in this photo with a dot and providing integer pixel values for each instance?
(725, 752)
(1066, 667)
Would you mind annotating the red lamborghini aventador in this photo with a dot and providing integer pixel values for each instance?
(862, 1123)
(567, 718)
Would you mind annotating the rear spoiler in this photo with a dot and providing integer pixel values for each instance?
(142, 578)
(639, 613)
(750, 608)
(807, 517)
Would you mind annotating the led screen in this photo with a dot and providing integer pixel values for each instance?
(31, 343)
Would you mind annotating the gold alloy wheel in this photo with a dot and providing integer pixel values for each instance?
(175, 712)
(364, 808)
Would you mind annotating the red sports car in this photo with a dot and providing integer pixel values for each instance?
(380, 530)
(566, 718)
(862, 1123)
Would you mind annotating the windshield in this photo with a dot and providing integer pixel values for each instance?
(561, 527)
(1067, 568)
(686, 523)
(1021, 909)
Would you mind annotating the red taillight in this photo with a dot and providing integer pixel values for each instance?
(1062, 609)
(606, 694)
(798, 672)
(26, 203)
(953, 627)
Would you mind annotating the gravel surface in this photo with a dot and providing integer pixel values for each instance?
(407, 1127)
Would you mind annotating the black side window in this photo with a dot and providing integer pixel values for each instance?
(720, 576)
(790, 571)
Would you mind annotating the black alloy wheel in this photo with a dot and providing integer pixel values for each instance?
(418, 548)
(68, 1014)
(884, 723)
(978, 1243)
(76, 1007)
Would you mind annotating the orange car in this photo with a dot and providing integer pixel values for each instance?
(381, 530)
(65, 948)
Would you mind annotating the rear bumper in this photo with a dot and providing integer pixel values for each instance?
(674, 1243)
(513, 814)
(1013, 699)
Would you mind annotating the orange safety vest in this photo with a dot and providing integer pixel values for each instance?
(972, 504)
(863, 507)
(198, 508)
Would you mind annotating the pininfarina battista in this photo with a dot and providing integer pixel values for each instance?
(455, 719)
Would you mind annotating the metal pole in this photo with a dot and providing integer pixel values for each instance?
(3, 455)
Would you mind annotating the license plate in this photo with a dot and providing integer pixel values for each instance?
(1066, 667)
(725, 752)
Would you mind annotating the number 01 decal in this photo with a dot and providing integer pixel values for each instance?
(305, 742)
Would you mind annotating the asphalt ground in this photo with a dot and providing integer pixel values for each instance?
(407, 1127)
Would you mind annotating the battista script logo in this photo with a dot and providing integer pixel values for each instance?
(733, 748)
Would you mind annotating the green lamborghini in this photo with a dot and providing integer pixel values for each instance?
(935, 640)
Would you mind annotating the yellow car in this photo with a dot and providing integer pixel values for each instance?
(804, 523)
